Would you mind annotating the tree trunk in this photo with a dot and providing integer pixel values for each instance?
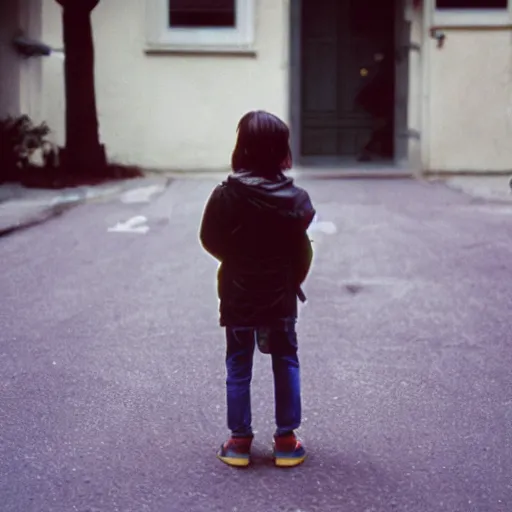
(83, 154)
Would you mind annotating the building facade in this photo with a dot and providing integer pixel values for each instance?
(173, 77)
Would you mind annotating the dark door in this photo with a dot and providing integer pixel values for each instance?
(342, 44)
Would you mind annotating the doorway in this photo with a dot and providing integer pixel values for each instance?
(345, 70)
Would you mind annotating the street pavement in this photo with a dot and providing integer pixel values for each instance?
(112, 373)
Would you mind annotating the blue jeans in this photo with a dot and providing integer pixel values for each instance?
(241, 342)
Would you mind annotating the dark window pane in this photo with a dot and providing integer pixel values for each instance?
(472, 4)
(202, 13)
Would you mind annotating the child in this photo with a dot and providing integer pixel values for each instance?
(255, 223)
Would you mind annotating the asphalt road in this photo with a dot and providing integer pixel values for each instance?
(112, 374)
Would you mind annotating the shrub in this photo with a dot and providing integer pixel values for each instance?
(19, 139)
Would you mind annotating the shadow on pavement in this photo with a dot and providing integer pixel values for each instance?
(326, 481)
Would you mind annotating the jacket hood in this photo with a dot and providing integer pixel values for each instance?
(277, 195)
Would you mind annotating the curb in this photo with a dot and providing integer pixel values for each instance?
(43, 216)
(466, 174)
(325, 173)
(352, 175)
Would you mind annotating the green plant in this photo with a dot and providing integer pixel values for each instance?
(19, 139)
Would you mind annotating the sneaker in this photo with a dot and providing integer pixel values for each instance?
(236, 451)
(288, 451)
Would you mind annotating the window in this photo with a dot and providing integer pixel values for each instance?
(202, 13)
(200, 25)
(472, 4)
(472, 13)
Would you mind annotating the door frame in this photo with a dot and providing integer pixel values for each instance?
(295, 88)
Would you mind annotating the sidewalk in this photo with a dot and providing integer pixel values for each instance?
(490, 188)
(22, 207)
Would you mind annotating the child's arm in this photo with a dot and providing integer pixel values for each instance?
(213, 226)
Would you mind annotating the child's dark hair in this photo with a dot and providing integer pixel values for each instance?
(263, 144)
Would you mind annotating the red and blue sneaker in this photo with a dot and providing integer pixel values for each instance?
(288, 451)
(236, 451)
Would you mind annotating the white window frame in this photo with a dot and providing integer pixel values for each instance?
(472, 17)
(161, 37)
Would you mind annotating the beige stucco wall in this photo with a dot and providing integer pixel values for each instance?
(180, 112)
(469, 101)
(171, 111)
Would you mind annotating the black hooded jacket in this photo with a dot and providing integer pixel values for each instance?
(257, 228)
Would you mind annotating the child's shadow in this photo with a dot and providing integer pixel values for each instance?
(261, 457)
(326, 481)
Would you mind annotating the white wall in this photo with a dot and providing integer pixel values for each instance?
(470, 101)
(10, 66)
(171, 111)
(180, 112)
(31, 84)
(20, 78)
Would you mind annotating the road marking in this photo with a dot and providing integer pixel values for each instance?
(134, 225)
